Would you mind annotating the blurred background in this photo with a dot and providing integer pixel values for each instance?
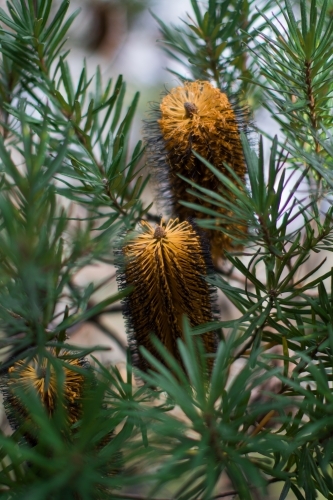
(121, 36)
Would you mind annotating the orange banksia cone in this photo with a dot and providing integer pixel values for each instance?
(166, 265)
(40, 375)
(199, 117)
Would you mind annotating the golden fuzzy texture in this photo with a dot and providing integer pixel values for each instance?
(166, 264)
(41, 376)
(198, 116)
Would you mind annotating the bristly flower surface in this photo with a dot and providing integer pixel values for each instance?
(166, 265)
(40, 375)
(199, 117)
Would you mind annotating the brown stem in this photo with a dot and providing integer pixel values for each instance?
(311, 101)
(226, 494)
(263, 422)
(212, 60)
(141, 497)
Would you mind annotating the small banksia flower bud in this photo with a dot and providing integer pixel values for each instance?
(39, 374)
(166, 265)
(199, 117)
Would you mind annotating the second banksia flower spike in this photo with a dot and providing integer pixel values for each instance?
(166, 265)
(40, 376)
(199, 117)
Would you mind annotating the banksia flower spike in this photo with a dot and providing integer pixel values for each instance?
(166, 265)
(199, 117)
(40, 375)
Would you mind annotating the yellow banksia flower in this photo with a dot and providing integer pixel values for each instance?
(39, 374)
(167, 265)
(199, 117)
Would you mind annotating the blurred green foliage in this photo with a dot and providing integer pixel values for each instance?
(266, 413)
